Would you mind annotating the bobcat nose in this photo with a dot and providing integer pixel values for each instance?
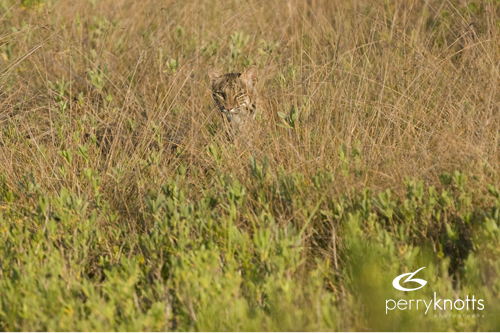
(228, 107)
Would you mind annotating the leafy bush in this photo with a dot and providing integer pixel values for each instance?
(125, 206)
(218, 263)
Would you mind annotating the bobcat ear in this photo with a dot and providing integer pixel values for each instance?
(214, 74)
(250, 75)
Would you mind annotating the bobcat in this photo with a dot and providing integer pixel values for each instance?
(236, 97)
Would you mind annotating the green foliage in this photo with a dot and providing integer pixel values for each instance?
(68, 265)
(290, 121)
(238, 40)
(98, 78)
(125, 206)
(32, 3)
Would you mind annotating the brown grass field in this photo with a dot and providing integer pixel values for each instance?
(412, 85)
(108, 127)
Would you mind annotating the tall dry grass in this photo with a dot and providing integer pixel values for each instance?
(413, 85)
(111, 99)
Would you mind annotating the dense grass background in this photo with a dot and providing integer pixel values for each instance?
(123, 205)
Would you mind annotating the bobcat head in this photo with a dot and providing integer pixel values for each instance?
(236, 96)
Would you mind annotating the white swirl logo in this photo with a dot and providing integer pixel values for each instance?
(396, 284)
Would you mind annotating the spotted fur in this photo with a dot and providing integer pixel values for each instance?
(236, 96)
